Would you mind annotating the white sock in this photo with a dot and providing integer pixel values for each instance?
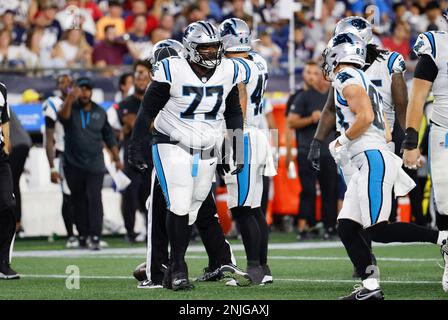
(443, 235)
(371, 283)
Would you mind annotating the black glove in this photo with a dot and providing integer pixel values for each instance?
(222, 168)
(314, 154)
(135, 157)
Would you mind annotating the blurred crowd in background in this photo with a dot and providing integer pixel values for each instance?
(99, 33)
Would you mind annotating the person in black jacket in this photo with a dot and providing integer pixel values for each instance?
(86, 131)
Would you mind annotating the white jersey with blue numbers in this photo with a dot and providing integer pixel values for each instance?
(435, 45)
(374, 137)
(50, 109)
(256, 75)
(194, 113)
(380, 74)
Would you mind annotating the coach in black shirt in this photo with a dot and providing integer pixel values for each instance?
(86, 131)
(303, 117)
(7, 199)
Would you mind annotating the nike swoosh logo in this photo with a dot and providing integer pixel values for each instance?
(212, 163)
(360, 296)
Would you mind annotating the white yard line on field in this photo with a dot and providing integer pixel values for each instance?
(139, 252)
(62, 276)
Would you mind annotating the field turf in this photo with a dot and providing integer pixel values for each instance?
(311, 270)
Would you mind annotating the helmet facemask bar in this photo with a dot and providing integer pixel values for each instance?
(211, 60)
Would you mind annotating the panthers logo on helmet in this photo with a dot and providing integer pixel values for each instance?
(227, 28)
(358, 24)
(342, 38)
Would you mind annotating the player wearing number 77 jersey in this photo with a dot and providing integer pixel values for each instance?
(245, 189)
(189, 101)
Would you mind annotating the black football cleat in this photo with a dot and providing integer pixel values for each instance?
(6, 273)
(362, 293)
(210, 275)
(148, 284)
(241, 278)
(256, 274)
(181, 282)
(267, 274)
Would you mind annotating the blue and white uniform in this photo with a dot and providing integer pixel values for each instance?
(246, 188)
(369, 193)
(193, 116)
(380, 74)
(435, 45)
(50, 109)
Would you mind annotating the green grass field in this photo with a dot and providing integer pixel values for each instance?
(301, 271)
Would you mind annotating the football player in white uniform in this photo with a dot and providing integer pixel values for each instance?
(54, 147)
(217, 247)
(386, 71)
(189, 101)
(431, 72)
(245, 189)
(362, 143)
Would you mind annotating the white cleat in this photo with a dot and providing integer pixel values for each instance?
(148, 284)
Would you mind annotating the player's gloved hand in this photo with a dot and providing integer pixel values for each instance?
(314, 154)
(135, 157)
(339, 150)
(239, 168)
(222, 168)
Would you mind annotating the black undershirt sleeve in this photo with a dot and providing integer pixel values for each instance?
(233, 114)
(49, 123)
(426, 69)
(156, 96)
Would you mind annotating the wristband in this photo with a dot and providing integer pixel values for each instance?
(411, 139)
(343, 139)
(54, 170)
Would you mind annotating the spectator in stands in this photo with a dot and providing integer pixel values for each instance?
(113, 18)
(13, 56)
(167, 22)
(399, 41)
(269, 50)
(113, 49)
(138, 36)
(434, 20)
(156, 35)
(33, 47)
(212, 9)
(139, 7)
(52, 32)
(302, 52)
(237, 11)
(18, 32)
(81, 17)
(73, 50)
(303, 117)
(21, 144)
(194, 13)
(86, 132)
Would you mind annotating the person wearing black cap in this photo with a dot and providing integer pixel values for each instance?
(86, 131)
